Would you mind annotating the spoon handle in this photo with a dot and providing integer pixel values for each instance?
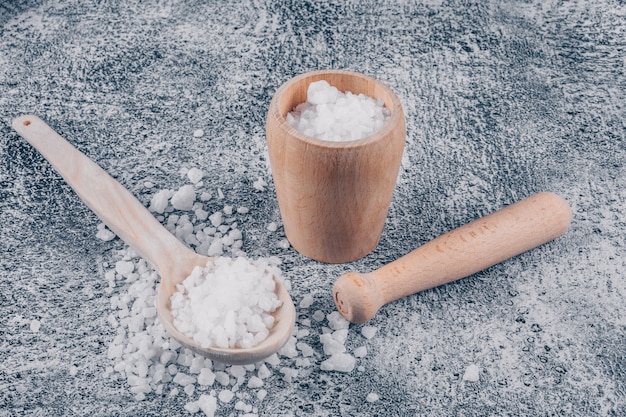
(112, 203)
(454, 255)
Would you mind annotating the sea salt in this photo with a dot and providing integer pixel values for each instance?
(195, 175)
(472, 373)
(331, 115)
(35, 325)
(372, 397)
(227, 304)
(340, 362)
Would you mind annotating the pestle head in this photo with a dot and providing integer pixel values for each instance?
(357, 297)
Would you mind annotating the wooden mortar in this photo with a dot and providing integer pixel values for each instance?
(334, 196)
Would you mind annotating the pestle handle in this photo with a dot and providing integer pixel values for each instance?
(468, 249)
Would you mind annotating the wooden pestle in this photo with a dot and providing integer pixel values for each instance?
(461, 252)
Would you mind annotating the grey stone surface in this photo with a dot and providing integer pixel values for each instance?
(502, 99)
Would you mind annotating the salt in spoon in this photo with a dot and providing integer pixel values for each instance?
(135, 225)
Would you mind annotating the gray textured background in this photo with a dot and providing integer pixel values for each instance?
(502, 99)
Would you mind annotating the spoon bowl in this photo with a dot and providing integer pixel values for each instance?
(135, 225)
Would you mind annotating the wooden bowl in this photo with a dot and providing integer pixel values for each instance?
(334, 196)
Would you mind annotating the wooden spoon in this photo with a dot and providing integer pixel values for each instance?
(134, 224)
(454, 255)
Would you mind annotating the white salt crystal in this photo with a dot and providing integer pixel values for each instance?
(243, 210)
(226, 396)
(237, 371)
(124, 268)
(336, 321)
(73, 370)
(264, 372)
(360, 352)
(372, 397)
(289, 348)
(192, 407)
(472, 373)
(208, 404)
(183, 379)
(306, 349)
(283, 244)
(35, 325)
(259, 184)
(184, 198)
(198, 133)
(369, 331)
(104, 234)
(272, 227)
(320, 92)
(195, 175)
(261, 394)
(318, 315)
(255, 382)
(206, 377)
(216, 218)
(289, 374)
(216, 248)
(222, 378)
(160, 200)
(330, 345)
(307, 301)
(340, 362)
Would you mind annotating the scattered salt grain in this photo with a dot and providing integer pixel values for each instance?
(318, 315)
(472, 373)
(35, 325)
(340, 362)
(329, 114)
(198, 133)
(104, 234)
(73, 370)
(160, 200)
(307, 301)
(369, 331)
(184, 198)
(360, 352)
(195, 175)
(261, 394)
(208, 404)
(272, 227)
(259, 184)
(124, 268)
(255, 382)
(336, 321)
(206, 377)
(225, 396)
(372, 397)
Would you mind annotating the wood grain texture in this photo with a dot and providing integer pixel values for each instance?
(334, 196)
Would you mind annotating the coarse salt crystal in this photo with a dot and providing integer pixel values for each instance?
(340, 362)
(195, 175)
(184, 198)
(472, 373)
(372, 397)
(35, 325)
(369, 331)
